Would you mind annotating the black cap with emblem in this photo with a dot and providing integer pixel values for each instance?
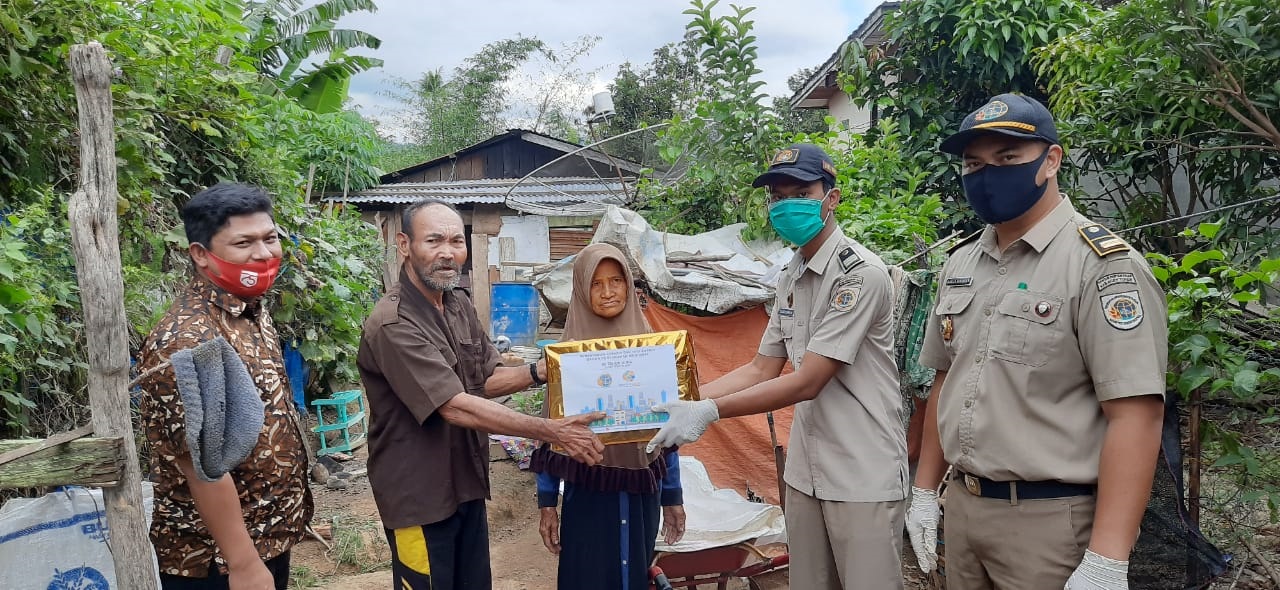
(804, 162)
(1007, 114)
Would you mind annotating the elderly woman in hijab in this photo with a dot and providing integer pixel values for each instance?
(610, 517)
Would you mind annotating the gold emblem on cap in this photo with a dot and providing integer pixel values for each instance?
(993, 110)
(787, 156)
(828, 168)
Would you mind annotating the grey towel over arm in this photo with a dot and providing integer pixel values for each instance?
(224, 410)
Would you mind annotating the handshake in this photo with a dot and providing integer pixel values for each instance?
(688, 421)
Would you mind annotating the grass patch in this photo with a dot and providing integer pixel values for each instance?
(301, 576)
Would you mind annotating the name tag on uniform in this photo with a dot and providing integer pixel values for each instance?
(786, 312)
(959, 281)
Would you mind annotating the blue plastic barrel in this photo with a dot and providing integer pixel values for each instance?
(514, 313)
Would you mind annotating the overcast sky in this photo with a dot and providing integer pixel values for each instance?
(422, 35)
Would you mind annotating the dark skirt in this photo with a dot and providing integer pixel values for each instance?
(606, 539)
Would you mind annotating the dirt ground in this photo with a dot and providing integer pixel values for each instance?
(359, 559)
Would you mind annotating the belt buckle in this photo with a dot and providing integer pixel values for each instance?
(971, 484)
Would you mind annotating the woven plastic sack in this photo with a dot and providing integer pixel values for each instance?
(59, 541)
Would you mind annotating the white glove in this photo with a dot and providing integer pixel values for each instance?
(1096, 572)
(922, 526)
(687, 422)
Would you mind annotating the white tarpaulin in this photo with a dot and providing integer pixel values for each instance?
(720, 518)
(747, 277)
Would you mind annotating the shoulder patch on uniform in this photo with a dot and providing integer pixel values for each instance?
(845, 297)
(1116, 278)
(849, 259)
(965, 240)
(1122, 310)
(1102, 240)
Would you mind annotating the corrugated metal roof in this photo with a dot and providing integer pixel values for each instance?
(558, 190)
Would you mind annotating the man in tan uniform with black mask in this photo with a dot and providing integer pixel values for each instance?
(1050, 339)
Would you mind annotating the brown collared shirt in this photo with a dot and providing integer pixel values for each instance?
(1033, 339)
(274, 497)
(413, 359)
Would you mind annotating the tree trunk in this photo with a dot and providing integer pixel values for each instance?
(96, 244)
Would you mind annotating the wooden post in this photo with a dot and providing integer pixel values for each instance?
(392, 261)
(506, 254)
(1195, 444)
(1193, 459)
(485, 222)
(311, 176)
(481, 297)
(95, 242)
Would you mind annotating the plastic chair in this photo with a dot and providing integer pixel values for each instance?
(340, 403)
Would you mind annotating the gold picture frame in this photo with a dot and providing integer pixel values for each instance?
(686, 373)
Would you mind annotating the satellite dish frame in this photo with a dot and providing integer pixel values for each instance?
(506, 198)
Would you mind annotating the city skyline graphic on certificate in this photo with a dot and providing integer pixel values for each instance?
(628, 411)
(625, 384)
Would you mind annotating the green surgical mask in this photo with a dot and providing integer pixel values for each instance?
(797, 220)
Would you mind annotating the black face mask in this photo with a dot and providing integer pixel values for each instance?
(1000, 193)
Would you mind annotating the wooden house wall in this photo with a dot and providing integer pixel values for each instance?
(509, 159)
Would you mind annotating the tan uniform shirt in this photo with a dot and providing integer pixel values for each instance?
(847, 444)
(1033, 338)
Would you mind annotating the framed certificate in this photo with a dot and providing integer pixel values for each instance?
(625, 377)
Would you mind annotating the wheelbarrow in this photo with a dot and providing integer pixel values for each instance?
(716, 566)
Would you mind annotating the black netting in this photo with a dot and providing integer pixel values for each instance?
(1171, 554)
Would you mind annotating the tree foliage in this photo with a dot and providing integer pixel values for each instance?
(671, 84)
(1174, 106)
(552, 94)
(1230, 356)
(944, 58)
(185, 119)
(729, 134)
(796, 120)
(446, 113)
(283, 36)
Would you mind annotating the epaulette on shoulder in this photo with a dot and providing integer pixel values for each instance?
(849, 259)
(965, 240)
(1101, 240)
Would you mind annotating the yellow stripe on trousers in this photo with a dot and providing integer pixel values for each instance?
(411, 548)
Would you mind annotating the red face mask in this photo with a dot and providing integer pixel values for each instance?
(248, 280)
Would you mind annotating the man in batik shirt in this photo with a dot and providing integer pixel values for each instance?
(235, 532)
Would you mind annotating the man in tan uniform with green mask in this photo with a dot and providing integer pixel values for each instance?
(846, 471)
(1050, 339)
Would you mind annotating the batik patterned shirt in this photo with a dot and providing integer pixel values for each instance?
(274, 497)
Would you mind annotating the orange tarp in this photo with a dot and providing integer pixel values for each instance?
(736, 451)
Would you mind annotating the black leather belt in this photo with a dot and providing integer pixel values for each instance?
(1025, 490)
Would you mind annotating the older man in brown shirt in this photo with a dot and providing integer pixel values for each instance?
(427, 367)
(235, 532)
(1050, 340)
